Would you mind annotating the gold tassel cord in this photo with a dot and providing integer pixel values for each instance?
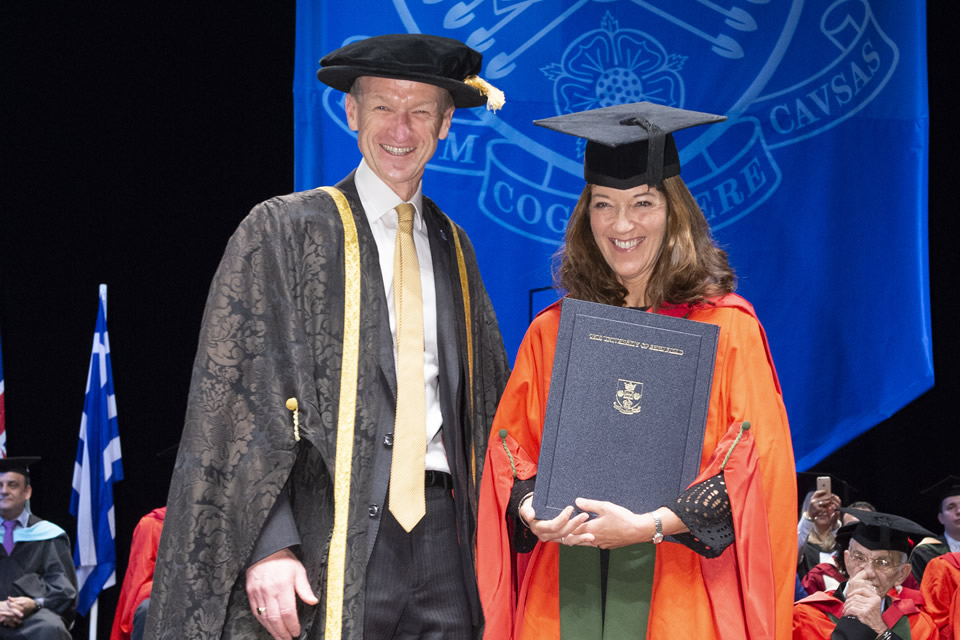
(293, 406)
(495, 98)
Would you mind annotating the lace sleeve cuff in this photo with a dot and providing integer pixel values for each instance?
(705, 510)
(521, 537)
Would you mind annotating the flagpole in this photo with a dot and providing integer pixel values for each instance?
(92, 632)
(94, 609)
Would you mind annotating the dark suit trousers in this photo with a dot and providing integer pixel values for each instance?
(415, 581)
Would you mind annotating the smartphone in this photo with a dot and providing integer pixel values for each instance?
(823, 484)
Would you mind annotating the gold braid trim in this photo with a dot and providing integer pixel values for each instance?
(345, 418)
(292, 405)
(465, 288)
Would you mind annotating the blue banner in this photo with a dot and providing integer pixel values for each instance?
(816, 185)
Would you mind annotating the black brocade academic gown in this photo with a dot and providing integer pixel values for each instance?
(273, 329)
(41, 569)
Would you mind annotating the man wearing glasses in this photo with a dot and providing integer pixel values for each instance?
(869, 605)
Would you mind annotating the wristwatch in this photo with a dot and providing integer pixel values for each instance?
(658, 534)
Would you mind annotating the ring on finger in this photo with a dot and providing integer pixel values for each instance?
(562, 541)
(261, 610)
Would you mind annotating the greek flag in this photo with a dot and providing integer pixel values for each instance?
(96, 468)
(3, 418)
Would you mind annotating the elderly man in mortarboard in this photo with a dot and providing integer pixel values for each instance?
(637, 239)
(347, 373)
(38, 585)
(946, 492)
(872, 603)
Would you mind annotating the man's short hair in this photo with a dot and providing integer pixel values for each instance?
(446, 100)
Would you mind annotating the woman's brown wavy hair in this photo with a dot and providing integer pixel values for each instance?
(689, 268)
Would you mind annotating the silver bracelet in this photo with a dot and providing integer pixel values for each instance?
(520, 504)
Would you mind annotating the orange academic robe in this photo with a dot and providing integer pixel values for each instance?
(138, 580)
(520, 592)
(941, 594)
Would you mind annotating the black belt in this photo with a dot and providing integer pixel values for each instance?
(438, 479)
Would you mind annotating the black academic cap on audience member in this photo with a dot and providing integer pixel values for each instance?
(844, 534)
(941, 490)
(807, 483)
(881, 531)
(435, 60)
(18, 464)
(629, 144)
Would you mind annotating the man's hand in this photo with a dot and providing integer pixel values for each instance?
(862, 601)
(273, 585)
(11, 615)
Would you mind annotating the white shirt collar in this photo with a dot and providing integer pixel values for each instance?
(953, 544)
(379, 199)
(23, 518)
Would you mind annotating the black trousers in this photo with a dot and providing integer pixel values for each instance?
(415, 580)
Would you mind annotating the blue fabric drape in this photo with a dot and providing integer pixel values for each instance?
(816, 185)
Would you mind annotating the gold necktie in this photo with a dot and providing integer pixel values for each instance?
(410, 431)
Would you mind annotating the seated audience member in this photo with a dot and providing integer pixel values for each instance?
(38, 585)
(947, 492)
(828, 575)
(869, 605)
(128, 623)
(941, 594)
(816, 530)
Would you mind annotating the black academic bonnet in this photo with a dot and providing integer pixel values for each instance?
(629, 144)
(948, 487)
(18, 464)
(443, 62)
(884, 531)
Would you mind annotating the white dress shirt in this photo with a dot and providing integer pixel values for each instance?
(953, 544)
(379, 202)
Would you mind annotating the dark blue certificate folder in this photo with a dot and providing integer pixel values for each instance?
(627, 408)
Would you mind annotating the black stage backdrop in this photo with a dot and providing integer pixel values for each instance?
(135, 137)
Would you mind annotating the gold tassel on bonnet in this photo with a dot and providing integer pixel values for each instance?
(495, 97)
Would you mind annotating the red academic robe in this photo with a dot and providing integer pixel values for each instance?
(816, 616)
(693, 597)
(941, 594)
(138, 580)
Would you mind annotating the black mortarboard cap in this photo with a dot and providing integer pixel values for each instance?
(807, 483)
(881, 531)
(943, 489)
(629, 144)
(19, 464)
(443, 62)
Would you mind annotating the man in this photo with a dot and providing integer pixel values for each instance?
(947, 492)
(38, 585)
(828, 575)
(872, 604)
(352, 515)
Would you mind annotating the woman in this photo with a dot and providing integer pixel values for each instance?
(637, 238)
(816, 530)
